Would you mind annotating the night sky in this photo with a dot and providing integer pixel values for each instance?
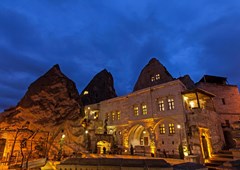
(84, 37)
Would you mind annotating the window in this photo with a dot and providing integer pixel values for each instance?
(170, 104)
(144, 109)
(162, 129)
(171, 128)
(135, 109)
(157, 76)
(107, 116)
(85, 92)
(113, 116)
(118, 115)
(161, 105)
(223, 101)
(152, 78)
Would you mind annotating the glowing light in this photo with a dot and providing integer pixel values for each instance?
(179, 126)
(63, 136)
(144, 131)
(192, 104)
(86, 131)
(185, 98)
(85, 92)
(88, 108)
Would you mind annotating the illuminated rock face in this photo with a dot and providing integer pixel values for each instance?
(153, 73)
(50, 99)
(51, 104)
(100, 88)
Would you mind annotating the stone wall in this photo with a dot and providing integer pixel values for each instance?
(226, 102)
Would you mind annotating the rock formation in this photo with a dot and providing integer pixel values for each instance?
(51, 104)
(51, 99)
(100, 88)
(152, 74)
(187, 81)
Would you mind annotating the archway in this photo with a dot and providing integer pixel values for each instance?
(205, 143)
(139, 136)
(103, 147)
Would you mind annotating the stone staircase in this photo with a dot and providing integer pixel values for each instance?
(218, 159)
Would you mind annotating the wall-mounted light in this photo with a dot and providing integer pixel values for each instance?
(144, 131)
(179, 126)
(63, 136)
(86, 131)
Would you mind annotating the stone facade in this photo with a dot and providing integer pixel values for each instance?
(164, 116)
(148, 119)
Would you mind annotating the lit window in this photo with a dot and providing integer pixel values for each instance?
(118, 115)
(85, 92)
(171, 128)
(157, 76)
(144, 109)
(135, 109)
(152, 78)
(107, 116)
(161, 105)
(162, 129)
(113, 116)
(170, 104)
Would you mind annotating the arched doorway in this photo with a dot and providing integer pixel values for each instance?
(205, 143)
(103, 147)
(139, 136)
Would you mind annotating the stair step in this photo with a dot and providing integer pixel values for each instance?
(225, 152)
(213, 164)
(220, 159)
(223, 155)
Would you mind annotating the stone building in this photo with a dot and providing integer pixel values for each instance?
(163, 114)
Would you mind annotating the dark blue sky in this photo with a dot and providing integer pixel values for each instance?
(84, 37)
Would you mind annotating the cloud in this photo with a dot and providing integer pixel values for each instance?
(193, 38)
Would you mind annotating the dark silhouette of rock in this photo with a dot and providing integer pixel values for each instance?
(100, 88)
(52, 98)
(152, 74)
(187, 81)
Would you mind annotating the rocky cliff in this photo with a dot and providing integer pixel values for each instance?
(100, 88)
(153, 73)
(50, 104)
(187, 81)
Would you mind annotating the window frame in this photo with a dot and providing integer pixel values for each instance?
(171, 128)
(162, 129)
(161, 104)
(135, 110)
(171, 103)
(144, 109)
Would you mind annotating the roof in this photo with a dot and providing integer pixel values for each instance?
(198, 90)
(213, 79)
